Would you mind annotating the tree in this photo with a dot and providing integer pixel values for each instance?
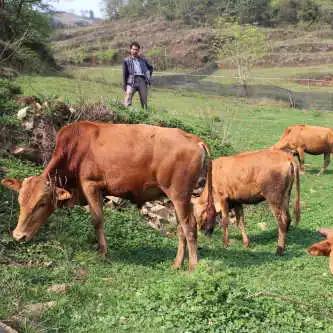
(243, 45)
(24, 34)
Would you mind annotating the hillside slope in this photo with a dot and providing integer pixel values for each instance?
(173, 44)
(169, 43)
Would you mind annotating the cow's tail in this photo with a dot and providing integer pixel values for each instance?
(297, 206)
(210, 208)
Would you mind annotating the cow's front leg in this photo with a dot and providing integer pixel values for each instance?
(188, 225)
(95, 202)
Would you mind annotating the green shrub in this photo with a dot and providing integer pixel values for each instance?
(158, 58)
(109, 56)
(8, 91)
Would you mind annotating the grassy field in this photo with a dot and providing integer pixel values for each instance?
(135, 289)
(293, 78)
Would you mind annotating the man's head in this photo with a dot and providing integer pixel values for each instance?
(135, 49)
(38, 198)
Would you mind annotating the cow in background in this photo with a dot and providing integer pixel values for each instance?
(313, 140)
(250, 178)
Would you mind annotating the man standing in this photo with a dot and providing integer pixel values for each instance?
(137, 73)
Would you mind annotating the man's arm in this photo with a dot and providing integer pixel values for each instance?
(125, 75)
(150, 67)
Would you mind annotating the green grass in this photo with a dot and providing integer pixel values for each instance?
(135, 289)
(284, 77)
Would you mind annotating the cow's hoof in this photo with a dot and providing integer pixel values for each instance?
(102, 252)
(176, 265)
(246, 244)
(192, 267)
(279, 251)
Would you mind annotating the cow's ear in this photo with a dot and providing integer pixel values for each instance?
(12, 184)
(62, 194)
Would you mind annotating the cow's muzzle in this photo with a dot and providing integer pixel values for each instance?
(21, 236)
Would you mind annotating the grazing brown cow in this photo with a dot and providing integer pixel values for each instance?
(313, 140)
(324, 248)
(250, 178)
(137, 162)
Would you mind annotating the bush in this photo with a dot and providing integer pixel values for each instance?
(8, 91)
(109, 56)
(205, 130)
(158, 58)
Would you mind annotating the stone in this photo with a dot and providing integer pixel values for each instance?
(6, 329)
(36, 310)
(22, 113)
(58, 288)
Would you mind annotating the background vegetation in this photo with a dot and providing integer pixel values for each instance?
(196, 12)
(24, 36)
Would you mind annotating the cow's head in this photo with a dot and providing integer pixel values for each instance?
(38, 198)
(204, 214)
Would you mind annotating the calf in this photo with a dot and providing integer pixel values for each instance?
(324, 248)
(313, 140)
(250, 178)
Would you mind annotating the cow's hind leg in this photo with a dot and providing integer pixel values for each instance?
(95, 202)
(181, 247)
(327, 160)
(225, 221)
(241, 224)
(187, 230)
(283, 218)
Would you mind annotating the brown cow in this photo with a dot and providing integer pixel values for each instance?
(249, 178)
(324, 248)
(313, 140)
(137, 162)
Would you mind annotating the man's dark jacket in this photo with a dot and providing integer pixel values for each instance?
(128, 71)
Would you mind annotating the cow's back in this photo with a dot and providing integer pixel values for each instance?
(126, 158)
(313, 139)
(243, 177)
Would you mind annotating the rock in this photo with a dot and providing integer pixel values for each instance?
(36, 310)
(28, 125)
(115, 202)
(22, 113)
(159, 214)
(28, 153)
(6, 329)
(58, 288)
(161, 211)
